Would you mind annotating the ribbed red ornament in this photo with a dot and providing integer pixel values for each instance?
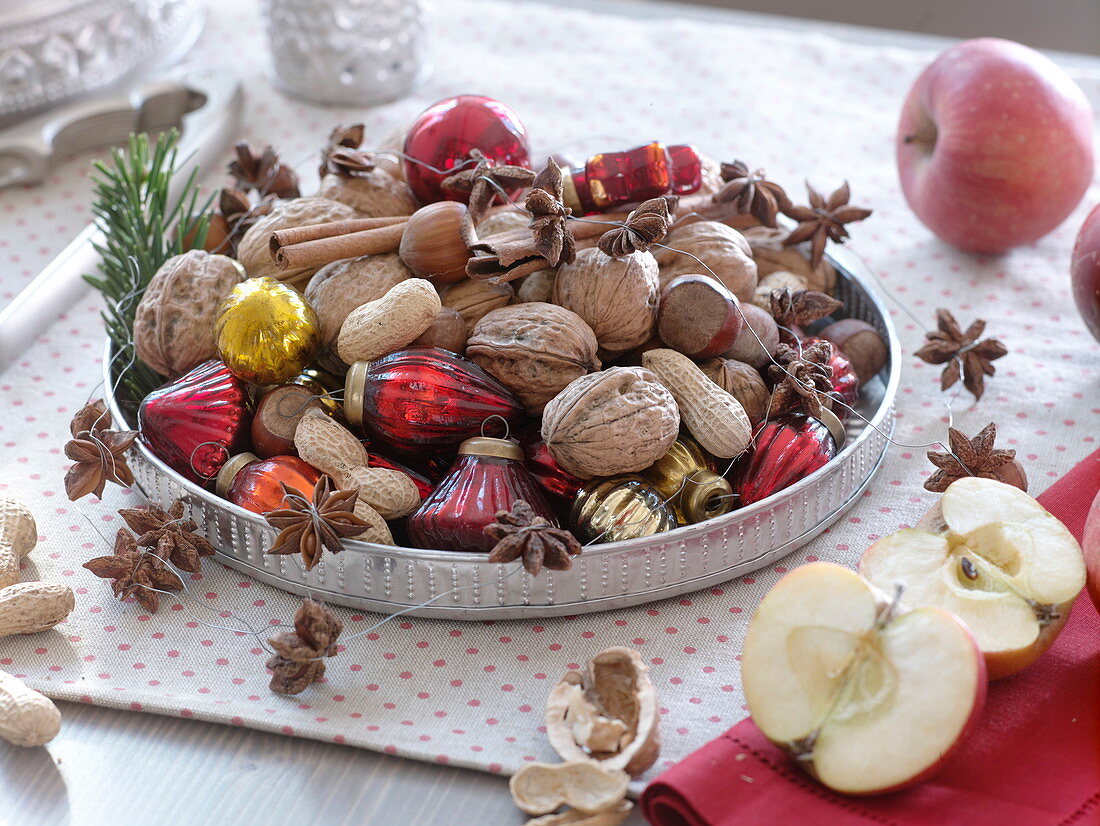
(551, 477)
(196, 422)
(423, 484)
(427, 400)
(488, 477)
(845, 380)
(787, 449)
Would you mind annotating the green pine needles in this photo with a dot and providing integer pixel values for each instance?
(143, 226)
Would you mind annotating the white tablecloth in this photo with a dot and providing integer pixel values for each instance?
(472, 694)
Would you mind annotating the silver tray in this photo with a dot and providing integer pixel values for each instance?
(465, 586)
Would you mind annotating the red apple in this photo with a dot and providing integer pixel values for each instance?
(867, 695)
(1085, 272)
(994, 147)
(1090, 545)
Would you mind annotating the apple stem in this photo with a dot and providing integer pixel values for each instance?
(887, 612)
(1045, 613)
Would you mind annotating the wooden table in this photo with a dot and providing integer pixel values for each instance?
(114, 768)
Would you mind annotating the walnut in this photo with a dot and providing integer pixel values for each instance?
(778, 280)
(338, 288)
(254, 251)
(770, 256)
(534, 350)
(620, 420)
(538, 286)
(374, 194)
(711, 175)
(387, 152)
(502, 220)
(616, 296)
(743, 382)
(174, 323)
(473, 299)
(720, 247)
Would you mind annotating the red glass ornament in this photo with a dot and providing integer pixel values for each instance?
(423, 484)
(255, 483)
(487, 477)
(196, 422)
(788, 448)
(426, 399)
(444, 133)
(845, 380)
(551, 477)
(612, 179)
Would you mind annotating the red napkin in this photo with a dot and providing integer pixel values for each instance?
(1033, 759)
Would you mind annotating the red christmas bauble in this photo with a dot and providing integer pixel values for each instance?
(196, 422)
(551, 477)
(443, 135)
(845, 380)
(423, 483)
(487, 477)
(256, 486)
(426, 400)
(787, 449)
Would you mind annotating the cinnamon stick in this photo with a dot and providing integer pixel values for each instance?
(325, 250)
(314, 232)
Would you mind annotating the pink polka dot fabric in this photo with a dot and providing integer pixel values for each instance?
(472, 694)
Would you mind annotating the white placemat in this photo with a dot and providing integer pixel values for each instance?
(472, 694)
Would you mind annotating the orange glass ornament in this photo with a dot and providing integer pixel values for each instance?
(253, 483)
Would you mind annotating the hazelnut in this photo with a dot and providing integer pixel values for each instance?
(534, 350)
(617, 297)
(473, 299)
(759, 327)
(374, 194)
(619, 420)
(770, 255)
(743, 382)
(254, 251)
(432, 245)
(864, 346)
(723, 249)
(174, 322)
(338, 288)
(447, 331)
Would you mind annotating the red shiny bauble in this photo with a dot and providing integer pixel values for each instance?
(256, 487)
(196, 422)
(487, 477)
(551, 477)
(423, 484)
(787, 449)
(612, 179)
(427, 400)
(441, 138)
(845, 380)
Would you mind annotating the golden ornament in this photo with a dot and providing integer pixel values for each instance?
(685, 478)
(622, 507)
(265, 331)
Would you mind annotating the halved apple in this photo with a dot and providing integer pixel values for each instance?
(993, 556)
(869, 697)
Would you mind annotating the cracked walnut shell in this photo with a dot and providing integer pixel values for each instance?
(720, 247)
(617, 297)
(619, 420)
(607, 713)
(534, 350)
(174, 323)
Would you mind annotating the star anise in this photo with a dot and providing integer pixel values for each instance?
(171, 537)
(263, 171)
(342, 155)
(553, 239)
(298, 660)
(136, 573)
(484, 181)
(523, 535)
(236, 214)
(752, 193)
(99, 453)
(646, 225)
(970, 457)
(804, 380)
(962, 352)
(309, 527)
(823, 220)
(792, 308)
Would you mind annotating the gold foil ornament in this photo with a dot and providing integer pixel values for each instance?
(265, 331)
(685, 478)
(618, 508)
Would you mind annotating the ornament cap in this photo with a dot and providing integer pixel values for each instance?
(229, 471)
(705, 495)
(835, 426)
(491, 446)
(355, 386)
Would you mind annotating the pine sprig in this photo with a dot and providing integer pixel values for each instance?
(143, 226)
